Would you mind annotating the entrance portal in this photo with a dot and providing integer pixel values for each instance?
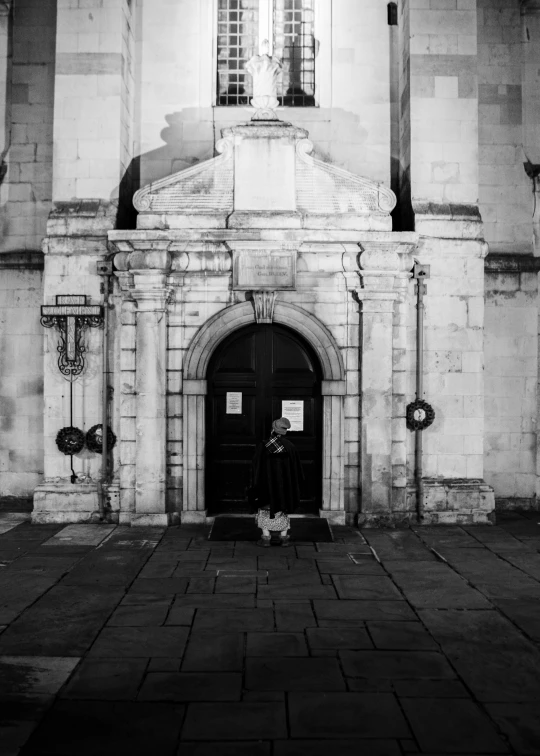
(266, 364)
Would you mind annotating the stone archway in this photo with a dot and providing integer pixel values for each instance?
(195, 388)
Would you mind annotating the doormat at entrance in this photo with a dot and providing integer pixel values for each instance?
(312, 529)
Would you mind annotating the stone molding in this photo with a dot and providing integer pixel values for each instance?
(198, 387)
(232, 318)
(273, 130)
(334, 388)
(5, 8)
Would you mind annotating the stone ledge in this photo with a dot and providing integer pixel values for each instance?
(447, 211)
(22, 260)
(82, 218)
(511, 263)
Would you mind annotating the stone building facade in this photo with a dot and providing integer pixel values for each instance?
(413, 137)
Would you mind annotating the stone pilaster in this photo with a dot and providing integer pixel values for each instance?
(150, 293)
(379, 265)
(75, 243)
(148, 288)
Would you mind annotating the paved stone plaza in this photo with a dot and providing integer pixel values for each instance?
(129, 640)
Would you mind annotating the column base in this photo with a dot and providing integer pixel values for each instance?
(153, 519)
(334, 516)
(65, 502)
(195, 517)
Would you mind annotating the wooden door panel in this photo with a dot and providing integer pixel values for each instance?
(240, 356)
(232, 479)
(267, 364)
(227, 427)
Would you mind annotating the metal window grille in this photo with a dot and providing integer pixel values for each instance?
(242, 26)
(294, 45)
(238, 41)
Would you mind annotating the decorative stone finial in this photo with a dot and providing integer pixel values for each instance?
(265, 71)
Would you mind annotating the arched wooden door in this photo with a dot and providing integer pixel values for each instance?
(266, 365)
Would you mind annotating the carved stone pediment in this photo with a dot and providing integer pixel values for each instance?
(266, 168)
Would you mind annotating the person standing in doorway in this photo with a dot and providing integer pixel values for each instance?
(277, 474)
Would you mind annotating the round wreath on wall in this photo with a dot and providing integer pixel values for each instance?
(94, 438)
(420, 415)
(70, 440)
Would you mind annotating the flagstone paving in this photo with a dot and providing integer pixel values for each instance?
(385, 642)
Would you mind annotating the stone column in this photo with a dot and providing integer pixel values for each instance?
(144, 278)
(151, 295)
(379, 265)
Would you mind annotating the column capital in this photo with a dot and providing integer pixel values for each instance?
(382, 263)
(376, 301)
(132, 258)
(151, 290)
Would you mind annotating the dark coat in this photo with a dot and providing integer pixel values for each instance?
(276, 479)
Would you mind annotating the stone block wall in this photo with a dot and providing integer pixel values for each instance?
(444, 142)
(511, 354)
(21, 377)
(27, 109)
(453, 358)
(76, 242)
(93, 99)
(505, 192)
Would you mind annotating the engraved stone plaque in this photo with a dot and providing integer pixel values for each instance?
(261, 269)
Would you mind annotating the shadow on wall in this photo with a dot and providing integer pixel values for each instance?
(175, 155)
(338, 135)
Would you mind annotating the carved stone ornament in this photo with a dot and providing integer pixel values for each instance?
(265, 71)
(263, 304)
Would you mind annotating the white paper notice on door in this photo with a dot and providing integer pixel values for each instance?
(234, 403)
(294, 411)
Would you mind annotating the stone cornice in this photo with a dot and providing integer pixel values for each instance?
(142, 239)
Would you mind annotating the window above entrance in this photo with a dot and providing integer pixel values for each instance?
(289, 26)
